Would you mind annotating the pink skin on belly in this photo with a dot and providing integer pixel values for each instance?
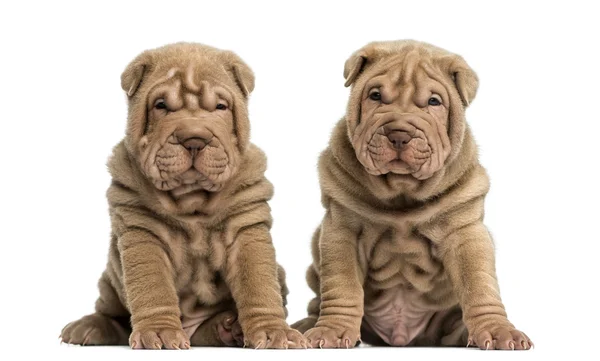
(396, 317)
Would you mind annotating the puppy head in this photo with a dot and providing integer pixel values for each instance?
(406, 108)
(188, 119)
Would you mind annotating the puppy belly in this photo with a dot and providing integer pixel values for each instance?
(396, 317)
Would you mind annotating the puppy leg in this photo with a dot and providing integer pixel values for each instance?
(469, 258)
(148, 279)
(95, 330)
(446, 328)
(223, 329)
(252, 276)
(341, 290)
(312, 278)
(283, 286)
(314, 305)
(108, 326)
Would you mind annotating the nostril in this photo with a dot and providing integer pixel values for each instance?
(399, 138)
(193, 138)
(194, 143)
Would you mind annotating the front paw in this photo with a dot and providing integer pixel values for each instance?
(157, 338)
(499, 338)
(331, 337)
(281, 337)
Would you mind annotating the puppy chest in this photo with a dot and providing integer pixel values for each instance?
(201, 274)
(395, 257)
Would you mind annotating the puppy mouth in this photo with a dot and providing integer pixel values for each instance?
(190, 164)
(399, 143)
(409, 159)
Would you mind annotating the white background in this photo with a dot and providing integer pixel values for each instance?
(535, 119)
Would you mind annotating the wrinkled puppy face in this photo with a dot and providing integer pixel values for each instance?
(189, 137)
(194, 126)
(402, 106)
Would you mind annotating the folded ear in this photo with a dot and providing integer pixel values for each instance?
(134, 73)
(356, 64)
(464, 77)
(242, 74)
(353, 66)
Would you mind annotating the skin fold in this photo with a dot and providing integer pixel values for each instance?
(191, 260)
(402, 256)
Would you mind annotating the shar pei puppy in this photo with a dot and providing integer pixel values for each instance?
(402, 256)
(191, 260)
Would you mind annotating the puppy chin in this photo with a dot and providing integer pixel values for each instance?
(204, 185)
(166, 185)
(402, 164)
(193, 180)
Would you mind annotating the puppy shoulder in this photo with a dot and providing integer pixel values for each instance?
(250, 184)
(128, 184)
(256, 156)
(121, 166)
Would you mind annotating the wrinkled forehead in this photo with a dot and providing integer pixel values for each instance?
(177, 80)
(413, 69)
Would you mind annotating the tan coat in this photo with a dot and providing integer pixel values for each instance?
(191, 259)
(402, 255)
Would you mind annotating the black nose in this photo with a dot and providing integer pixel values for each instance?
(399, 138)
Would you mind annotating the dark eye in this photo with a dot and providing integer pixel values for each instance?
(221, 106)
(160, 104)
(375, 96)
(434, 101)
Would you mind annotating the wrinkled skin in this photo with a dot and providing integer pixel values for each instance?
(191, 260)
(402, 256)
(195, 114)
(404, 90)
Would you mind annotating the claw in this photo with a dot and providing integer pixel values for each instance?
(258, 345)
(157, 345)
(321, 343)
(86, 337)
(133, 344)
(512, 345)
(347, 342)
(186, 345)
(469, 342)
(487, 345)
